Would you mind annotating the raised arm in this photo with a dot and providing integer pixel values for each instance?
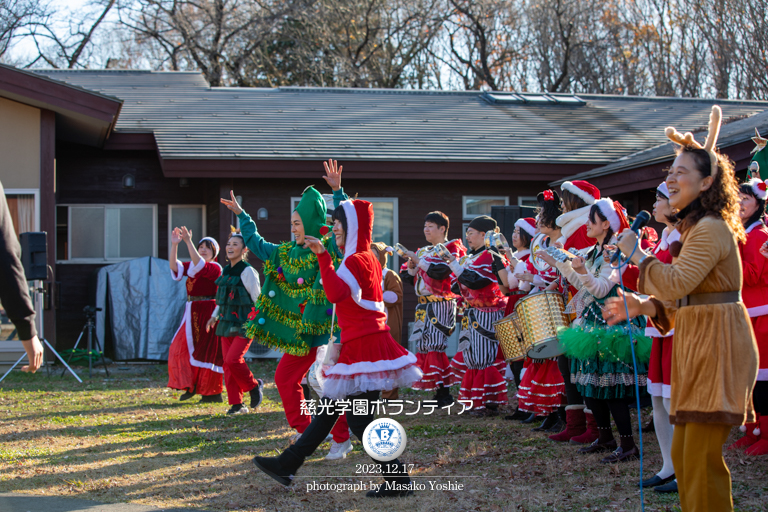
(253, 240)
(174, 251)
(186, 235)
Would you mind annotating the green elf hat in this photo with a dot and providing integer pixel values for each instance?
(759, 161)
(312, 211)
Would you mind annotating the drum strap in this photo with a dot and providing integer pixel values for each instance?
(476, 325)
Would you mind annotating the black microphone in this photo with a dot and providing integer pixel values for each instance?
(639, 223)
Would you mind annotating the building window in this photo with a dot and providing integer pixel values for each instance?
(385, 220)
(96, 233)
(23, 206)
(193, 217)
(528, 201)
(473, 206)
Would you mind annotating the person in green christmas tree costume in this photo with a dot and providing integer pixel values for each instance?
(293, 314)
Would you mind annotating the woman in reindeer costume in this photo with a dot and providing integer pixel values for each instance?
(714, 363)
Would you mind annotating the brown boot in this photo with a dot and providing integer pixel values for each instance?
(590, 434)
(575, 424)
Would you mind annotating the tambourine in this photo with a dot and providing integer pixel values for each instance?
(401, 251)
(560, 255)
(539, 243)
(497, 240)
(442, 252)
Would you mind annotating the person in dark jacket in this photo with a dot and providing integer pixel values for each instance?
(14, 291)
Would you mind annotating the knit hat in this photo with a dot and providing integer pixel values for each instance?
(483, 223)
(528, 225)
(614, 213)
(709, 145)
(758, 188)
(586, 191)
(662, 190)
(214, 243)
(312, 211)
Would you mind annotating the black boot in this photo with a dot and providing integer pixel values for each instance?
(548, 422)
(517, 415)
(443, 396)
(531, 418)
(186, 396)
(282, 468)
(211, 399)
(257, 394)
(397, 484)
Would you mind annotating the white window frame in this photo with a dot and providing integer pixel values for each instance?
(395, 220)
(533, 199)
(28, 192)
(99, 261)
(170, 226)
(466, 216)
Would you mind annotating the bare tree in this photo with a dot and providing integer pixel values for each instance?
(19, 15)
(68, 47)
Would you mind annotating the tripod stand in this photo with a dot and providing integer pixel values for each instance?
(89, 328)
(38, 293)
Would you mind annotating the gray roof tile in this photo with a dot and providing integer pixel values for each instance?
(191, 120)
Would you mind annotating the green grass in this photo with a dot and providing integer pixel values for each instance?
(128, 438)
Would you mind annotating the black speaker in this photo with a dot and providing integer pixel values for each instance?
(506, 216)
(34, 257)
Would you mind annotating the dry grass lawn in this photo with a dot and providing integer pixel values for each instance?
(128, 439)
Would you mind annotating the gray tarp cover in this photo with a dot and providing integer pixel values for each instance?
(145, 307)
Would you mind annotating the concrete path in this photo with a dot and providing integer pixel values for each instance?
(10, 502)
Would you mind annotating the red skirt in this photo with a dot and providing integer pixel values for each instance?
(483, 387)
(547, 391)
(195, 359)
(660, 367)
(436, 369)
(458, 368)
(760, 326)
(375, 362)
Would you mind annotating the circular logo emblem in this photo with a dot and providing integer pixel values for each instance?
(384, 439)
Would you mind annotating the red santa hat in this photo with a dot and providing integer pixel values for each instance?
(614, 213)
(528, 225)
(357, 263)
(759, 188)
(586, 191)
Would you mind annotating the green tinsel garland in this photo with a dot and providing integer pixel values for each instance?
(608, 344)
(295, 265)
(295, 291)
(263, 337)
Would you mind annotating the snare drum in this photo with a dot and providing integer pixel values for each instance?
(510, 338)
(539, 316)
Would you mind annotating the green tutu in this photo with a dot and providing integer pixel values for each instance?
(601, 356)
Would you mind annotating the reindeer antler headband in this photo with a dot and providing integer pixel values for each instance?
(709, 145)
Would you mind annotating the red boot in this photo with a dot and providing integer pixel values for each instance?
(749, 439)
(575, 424)
(760, 447)
(591, 434)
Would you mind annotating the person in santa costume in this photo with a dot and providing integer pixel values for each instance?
(369, 361)
(238, 288)
(578, 196)
(602, 361)
(435, 317)
(754, 293)
(660, 364)
(194, 358)
(475, 277)
(293, 314)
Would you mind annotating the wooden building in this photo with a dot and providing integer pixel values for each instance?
(170, 146)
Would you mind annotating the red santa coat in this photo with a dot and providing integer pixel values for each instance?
(195, 360)
(370, 359)
(754, 291)
(660, 365)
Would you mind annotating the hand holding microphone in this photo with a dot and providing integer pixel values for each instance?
(628, 239)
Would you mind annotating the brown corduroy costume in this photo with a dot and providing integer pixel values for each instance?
(392, 283)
